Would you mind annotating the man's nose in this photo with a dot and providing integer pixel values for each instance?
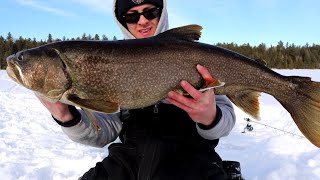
(143, 20)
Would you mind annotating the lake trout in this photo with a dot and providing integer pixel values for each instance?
(108, 76)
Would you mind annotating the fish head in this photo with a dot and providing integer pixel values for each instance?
(40, 70)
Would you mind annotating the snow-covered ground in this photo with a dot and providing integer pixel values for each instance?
(32, 145)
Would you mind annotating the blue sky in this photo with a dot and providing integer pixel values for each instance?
(239, 21)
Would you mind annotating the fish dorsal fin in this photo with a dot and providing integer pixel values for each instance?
(188, 33)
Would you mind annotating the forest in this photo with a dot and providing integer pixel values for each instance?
(281, 56)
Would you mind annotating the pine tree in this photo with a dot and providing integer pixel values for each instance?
(96, 37)
(90, 37)
(104, 37)
(84, 36)
(50, 39)
(9, 37)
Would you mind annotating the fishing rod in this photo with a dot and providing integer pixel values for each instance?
(249, 127)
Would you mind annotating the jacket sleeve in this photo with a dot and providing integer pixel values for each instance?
(85, 133)
(226, 122)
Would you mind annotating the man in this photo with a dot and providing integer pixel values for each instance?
(174, 139)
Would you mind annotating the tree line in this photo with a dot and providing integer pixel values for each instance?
(281, 56)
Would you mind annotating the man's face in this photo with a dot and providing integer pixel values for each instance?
(146, 26)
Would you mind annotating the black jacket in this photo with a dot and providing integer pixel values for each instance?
(159, 143)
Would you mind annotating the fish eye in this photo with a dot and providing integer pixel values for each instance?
(20, 57)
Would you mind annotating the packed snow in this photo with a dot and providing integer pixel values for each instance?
(33, 146)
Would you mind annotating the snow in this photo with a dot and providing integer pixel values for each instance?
(33, 146)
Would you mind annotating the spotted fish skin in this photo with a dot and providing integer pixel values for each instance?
(111, 75)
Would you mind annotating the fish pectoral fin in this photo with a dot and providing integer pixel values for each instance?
(186, 33)
(211, 83)
(96, 105)
(248, 101)
(92, 118)
(55, 94)
(182, 92)
(46, 98)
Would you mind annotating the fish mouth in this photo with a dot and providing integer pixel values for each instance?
(14, 70)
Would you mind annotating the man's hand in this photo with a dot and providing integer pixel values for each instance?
(58, 110)
(201, 107)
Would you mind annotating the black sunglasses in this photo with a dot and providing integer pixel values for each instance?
(149, 14)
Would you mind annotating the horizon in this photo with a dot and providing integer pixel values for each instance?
(110, 39)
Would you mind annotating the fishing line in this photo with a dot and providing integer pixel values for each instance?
(250, 128)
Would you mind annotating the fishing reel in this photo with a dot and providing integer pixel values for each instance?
(248, 127)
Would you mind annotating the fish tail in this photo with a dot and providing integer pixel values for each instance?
(304, 107)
